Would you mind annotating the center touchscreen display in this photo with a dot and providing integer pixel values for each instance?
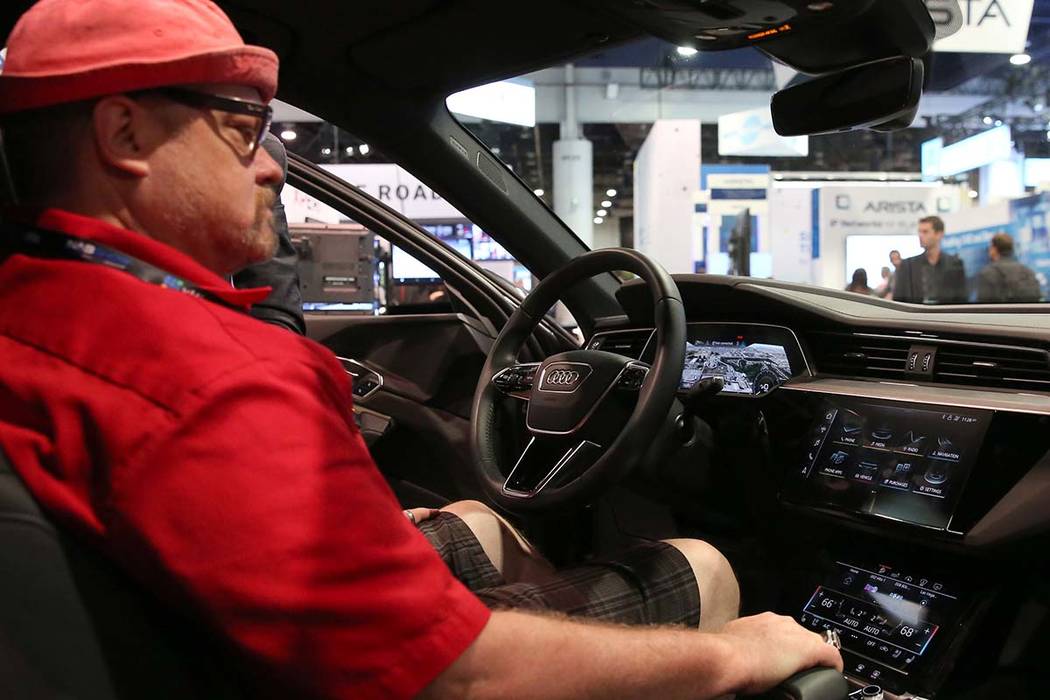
(747, 365)
(900, 461)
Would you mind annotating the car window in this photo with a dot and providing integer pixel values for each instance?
(672, 151)
(345, 267)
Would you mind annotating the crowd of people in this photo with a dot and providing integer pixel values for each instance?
(938, 277)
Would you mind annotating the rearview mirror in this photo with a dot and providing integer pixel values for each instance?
(883, 96)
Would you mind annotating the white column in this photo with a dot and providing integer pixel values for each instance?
(574, 171)
(666, 176)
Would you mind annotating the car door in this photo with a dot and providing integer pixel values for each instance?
(416, 355)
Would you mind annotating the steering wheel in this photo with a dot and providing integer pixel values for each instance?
(591, 414)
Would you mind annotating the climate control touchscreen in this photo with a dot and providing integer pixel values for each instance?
(889, 621)
(894, 460)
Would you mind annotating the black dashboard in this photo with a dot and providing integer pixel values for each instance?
(929, 430)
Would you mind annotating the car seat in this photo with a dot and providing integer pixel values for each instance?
(73, 626)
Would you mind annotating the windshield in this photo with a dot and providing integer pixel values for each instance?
(671, 151)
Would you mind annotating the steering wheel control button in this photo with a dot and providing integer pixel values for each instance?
(632, 377)
(517, 378)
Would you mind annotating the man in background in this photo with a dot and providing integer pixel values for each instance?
(284, 306)
(933, 276)
(1005, 280)
(885, 290)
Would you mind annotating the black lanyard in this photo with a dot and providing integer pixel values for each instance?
(50, 244)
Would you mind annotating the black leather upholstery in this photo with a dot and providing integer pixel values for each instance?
(73, 626)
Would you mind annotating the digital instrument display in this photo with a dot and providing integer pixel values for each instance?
(888, 620)
(750, 360)
(900, 461)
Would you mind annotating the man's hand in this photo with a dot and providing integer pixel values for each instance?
(418, 515)
(771, 648)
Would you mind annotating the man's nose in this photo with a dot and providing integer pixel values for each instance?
(267, 172)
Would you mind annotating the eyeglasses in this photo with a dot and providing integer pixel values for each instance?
(204, 100)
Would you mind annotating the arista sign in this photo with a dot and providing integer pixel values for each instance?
(985, 26)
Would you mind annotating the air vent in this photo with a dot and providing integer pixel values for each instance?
(970, 363)
(999, 366)
(853, 355)
(627, 343)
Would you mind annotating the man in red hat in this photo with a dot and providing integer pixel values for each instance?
(213, 457)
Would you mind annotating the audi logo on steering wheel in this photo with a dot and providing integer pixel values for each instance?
(565, 378)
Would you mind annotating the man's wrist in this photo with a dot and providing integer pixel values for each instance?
(733, 670)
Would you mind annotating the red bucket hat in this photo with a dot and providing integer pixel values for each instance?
(68, 50)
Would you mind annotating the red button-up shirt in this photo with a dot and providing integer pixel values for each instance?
(216, 459)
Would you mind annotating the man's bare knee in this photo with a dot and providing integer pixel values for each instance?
(719, 591)
(506, 548)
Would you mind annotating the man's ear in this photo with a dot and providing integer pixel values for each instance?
(125, 134)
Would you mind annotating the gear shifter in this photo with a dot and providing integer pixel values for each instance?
(814, 684)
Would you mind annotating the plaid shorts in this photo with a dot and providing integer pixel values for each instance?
(651, 583)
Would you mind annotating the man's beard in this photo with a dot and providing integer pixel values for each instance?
(263, 234)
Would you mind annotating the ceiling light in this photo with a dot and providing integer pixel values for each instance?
(364, 149)
(610, 193)
(598, 219)
(606, 204)
(349, 150)
(987, 120)
(998, 122)
(1039, 106)
(974, 194)
(883, 178)
(538, 193)
(778, 177)
(601, 212)
(688, 51)
(326, 151)
(1020, 59)
(289, 134)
